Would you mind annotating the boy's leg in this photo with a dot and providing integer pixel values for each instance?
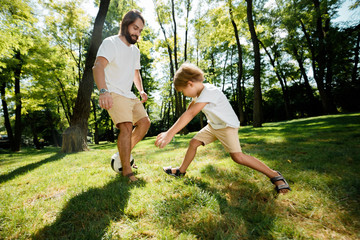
(257, 165)
(189, 156)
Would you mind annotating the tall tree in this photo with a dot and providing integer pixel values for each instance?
(16, 40)
(240, 93)
(257, 111)
(75, 137)
(163, 17)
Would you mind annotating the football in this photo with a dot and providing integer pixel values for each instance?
(116, 162)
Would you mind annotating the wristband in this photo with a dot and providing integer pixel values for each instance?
(103, 90)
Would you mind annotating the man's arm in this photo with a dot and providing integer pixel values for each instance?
(165, 137)
(139, 85)
(105, 99)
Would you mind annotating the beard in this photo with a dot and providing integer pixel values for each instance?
(129, 38)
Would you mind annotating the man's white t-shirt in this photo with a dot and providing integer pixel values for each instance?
(123, 61)
(218, 111)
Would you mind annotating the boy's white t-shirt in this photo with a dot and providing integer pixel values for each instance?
(123, 61)
(218, 111)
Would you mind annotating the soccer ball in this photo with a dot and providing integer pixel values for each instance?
(116, 162)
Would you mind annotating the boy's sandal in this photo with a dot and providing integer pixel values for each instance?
(282, 186)
(168, 170)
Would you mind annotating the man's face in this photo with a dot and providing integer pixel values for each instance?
(134, 31)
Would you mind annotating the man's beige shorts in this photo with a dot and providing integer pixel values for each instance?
(228, 137)
(126, 109)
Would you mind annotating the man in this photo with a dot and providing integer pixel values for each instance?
(115, 70)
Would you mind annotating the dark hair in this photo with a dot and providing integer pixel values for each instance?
(128, 19)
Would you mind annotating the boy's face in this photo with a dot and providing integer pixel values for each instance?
(190, 90)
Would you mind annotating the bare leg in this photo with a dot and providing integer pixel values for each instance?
(141, 128)
(257, 165)
(124, 147)
(190, 155)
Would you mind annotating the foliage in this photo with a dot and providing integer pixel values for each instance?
(52, 39)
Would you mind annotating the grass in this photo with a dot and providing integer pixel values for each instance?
(46, 194)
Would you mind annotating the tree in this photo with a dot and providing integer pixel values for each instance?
(240, 93)
(75, 137)
(257, 111)
(16, 40)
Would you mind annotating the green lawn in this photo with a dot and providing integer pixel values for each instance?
(46, 194)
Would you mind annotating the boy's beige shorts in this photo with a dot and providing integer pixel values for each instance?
(228, 137)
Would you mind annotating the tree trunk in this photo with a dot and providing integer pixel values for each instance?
(282, 81)
(240, 68)
(75, 137)
(356, 60)
(6, 116)
(187, 5)
(308, 88)
(96, 130)
(18, 128)
(172, 71)
(257, 111)
(178, 99)
(66, 107)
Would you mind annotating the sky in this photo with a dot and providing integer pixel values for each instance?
(345, 15)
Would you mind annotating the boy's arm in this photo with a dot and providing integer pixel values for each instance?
(165, 137)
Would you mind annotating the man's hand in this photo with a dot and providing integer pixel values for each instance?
(105, 101)
(144, 96)
(163, 139)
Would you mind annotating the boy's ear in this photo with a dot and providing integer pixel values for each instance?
(190, 83)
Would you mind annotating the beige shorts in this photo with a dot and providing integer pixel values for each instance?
(228, 137)
(126, 109)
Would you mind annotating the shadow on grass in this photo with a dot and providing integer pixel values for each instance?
(89, 214)
(243, 205)
(103, 146)
(30, 167)
(239, 211)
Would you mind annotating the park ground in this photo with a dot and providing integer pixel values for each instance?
(46, 194)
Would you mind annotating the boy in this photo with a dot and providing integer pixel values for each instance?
(223, 125)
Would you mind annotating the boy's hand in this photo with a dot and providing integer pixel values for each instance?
(163, 139)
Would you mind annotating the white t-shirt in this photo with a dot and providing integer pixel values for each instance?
(218, 111)
(123, 61)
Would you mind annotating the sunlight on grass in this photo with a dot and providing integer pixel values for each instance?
(46, 194)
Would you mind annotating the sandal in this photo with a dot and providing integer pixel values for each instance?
(280, 178)
(168, 170)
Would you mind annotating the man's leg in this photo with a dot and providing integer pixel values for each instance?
(140, 130)
(124, 147)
